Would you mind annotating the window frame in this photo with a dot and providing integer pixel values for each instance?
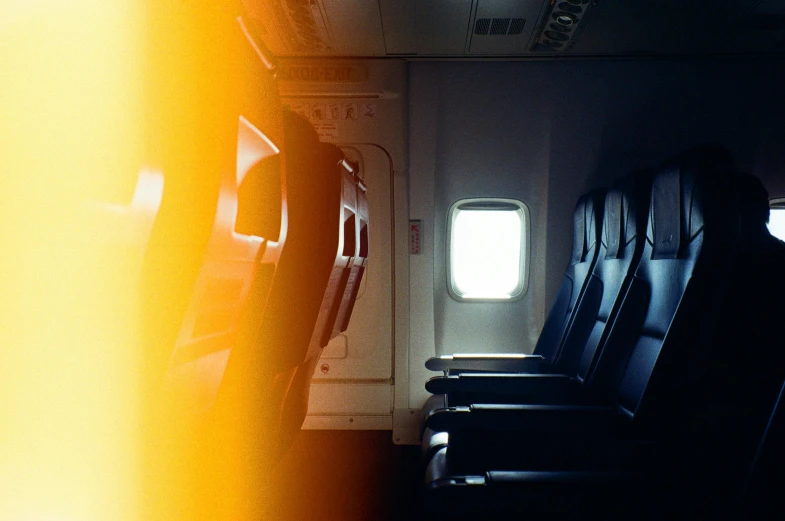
(523, 263)
(778, 203)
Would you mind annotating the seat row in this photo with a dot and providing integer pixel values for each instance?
(656, 373)
(250, 240)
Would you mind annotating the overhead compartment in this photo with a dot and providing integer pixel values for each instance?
(356, 27)
(507, 28)
(319, 27)
(399, 21)
(442, 26)
(291, 27)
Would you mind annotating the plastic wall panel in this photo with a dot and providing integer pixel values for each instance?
(442, 26)
(400, 26)
(356, 27)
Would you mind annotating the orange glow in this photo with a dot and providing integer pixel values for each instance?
(116, 121)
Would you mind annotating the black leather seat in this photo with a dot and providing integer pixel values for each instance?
(264, 393)
(620, 248)
(742, 384)
(762, 491)
(268, 379)
(664, 331)
(222, 230)
(333, 294)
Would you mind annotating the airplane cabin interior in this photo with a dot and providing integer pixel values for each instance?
(392, 260)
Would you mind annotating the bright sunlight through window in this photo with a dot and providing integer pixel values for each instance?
(777, 223)
(487, 249)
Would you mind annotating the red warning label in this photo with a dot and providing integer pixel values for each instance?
(415, 239)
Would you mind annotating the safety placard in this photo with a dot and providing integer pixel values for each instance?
(328, 72)
(415, 237)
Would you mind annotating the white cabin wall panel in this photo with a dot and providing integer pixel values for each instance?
(340, 400)
(402, 291)
(485, 151)
(424, 107)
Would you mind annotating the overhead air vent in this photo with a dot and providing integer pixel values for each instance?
(482, 25)
(561, 26)
(298, 25)
(516, 26)
(499, 26)
(502, 27)
(308, 24)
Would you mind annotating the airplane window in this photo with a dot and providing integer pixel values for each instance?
(777, 219)
(487, 253)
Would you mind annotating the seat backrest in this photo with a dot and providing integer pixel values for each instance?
(623, 236)
(690, 241)
(338, 293)
(267, 373)
(336, 296)
(761, 496)
(245, 246)
(357, 269)
(242, 431)
(739, 383)
(587, 226)
(224, 203)
(216, 127)
(313, 243)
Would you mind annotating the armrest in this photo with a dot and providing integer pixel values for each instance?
(538, 478)
(506, 363)
(533, 493)
(528, 418)
(536, 385)
(580, 478)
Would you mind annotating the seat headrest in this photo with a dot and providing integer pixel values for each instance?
(613, 222)
(304, 148)
(587, 216)
(752, 201)
(299, 133)
(666, 214)
(687, 193)
(626, 205)
(331, 154)
(637, 196)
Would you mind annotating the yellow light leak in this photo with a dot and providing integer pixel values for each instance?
(115, 113)
(70, 106)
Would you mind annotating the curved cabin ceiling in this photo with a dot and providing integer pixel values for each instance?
(517, 28)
